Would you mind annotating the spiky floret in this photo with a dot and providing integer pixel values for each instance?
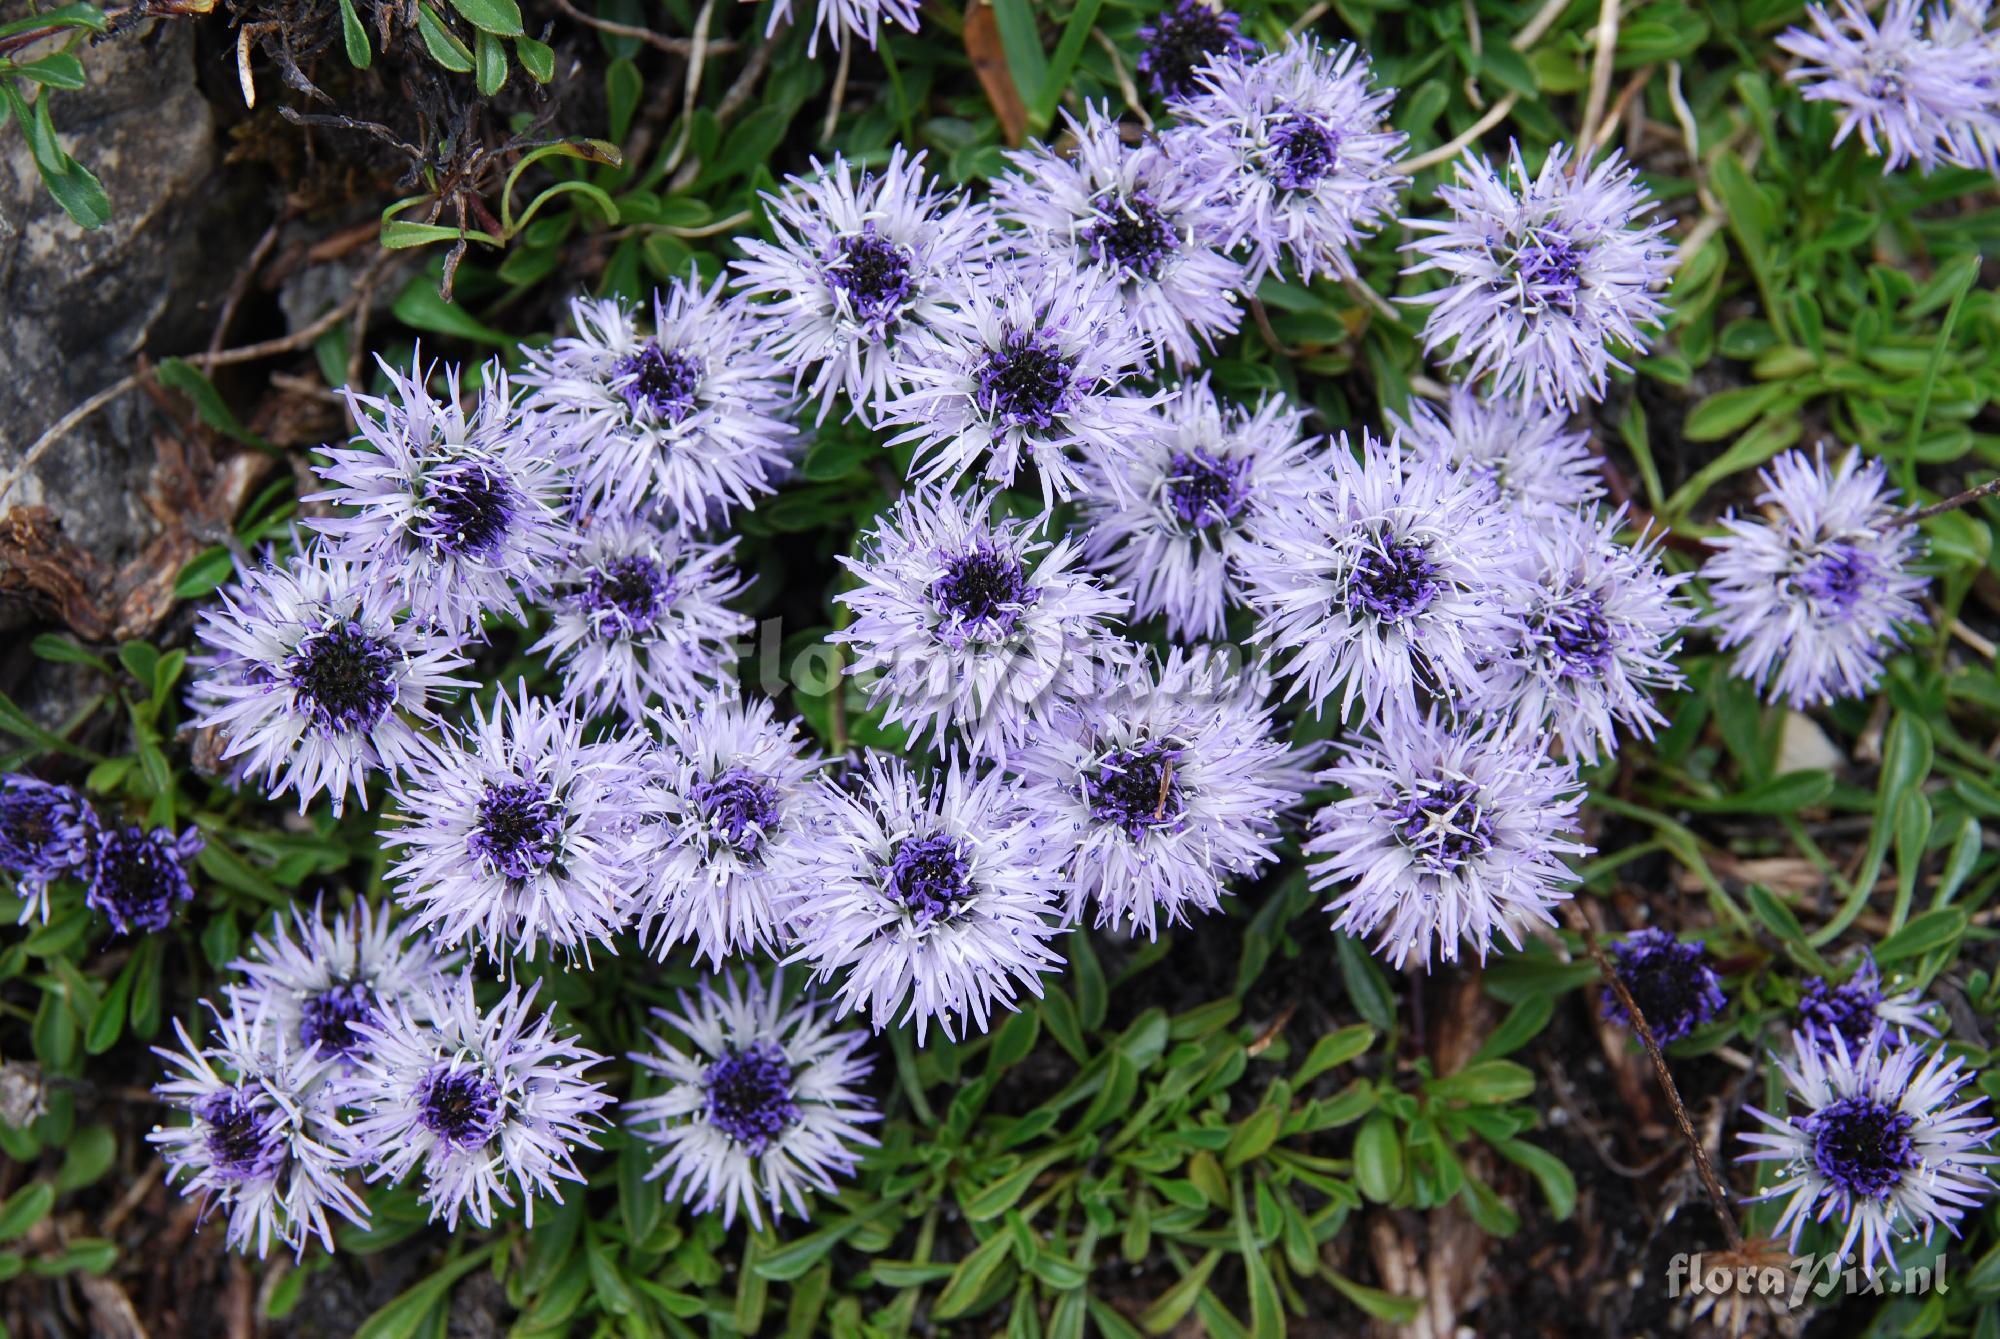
(46, 833)
(683, 411)
(487, 1103)
(459, 512)
(964, 621)
(738, 828)
(761, 1108)
(835, 18)
(932, 899)
(1182, 38)
(138, 878)
(862, 264)
(1813, 595)
(1159, 791)
(1877, 1142)
(1447, 836)
(1671, 982)
(1523, 452)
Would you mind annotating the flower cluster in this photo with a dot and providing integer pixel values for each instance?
(135, 877)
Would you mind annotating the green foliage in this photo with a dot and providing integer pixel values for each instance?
(38, 58)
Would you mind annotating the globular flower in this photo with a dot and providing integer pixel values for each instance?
(1171, 524)
(1023, 372)
(1594, 638)
(863, 264)
(1548, 279)
(1296, 150)
(264, 1142)
(138, 877)
(641, 614)
(1136, 214)
(1161, 790)
(313, 678)
(762, 1107)
(1857, 1009)
(965, 621)
(1524, 454)
(1671, 983)
(517, 832)
(1185, 36)
(456, 511)
(861, 18)
(929, 898)
(1879, 1144)
(47, 833)
(737, 810)
(487, 1102)
(1391, 579)
(1447, 835)
(684, 412)
(1919, 88)
(1814, 594)
(312, 992)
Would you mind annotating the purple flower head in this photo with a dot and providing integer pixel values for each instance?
(1159, 792)
(1670, 982)
(1296, 151)
(1390, 580)
(457, 511)
(1524, 454)
(1857, 1009)
(487, 1102)
(1919, 88)
(762, 1106)
(932, 898)
(1185, 36)
(264, 1142)
(1136, 214)
(313, 992)
(1547, 278)
(684, 413)
(314, 680)
(1595, 635)
(46, 833)
(1446, 835)
(864, 263)
(517, 832)
(1171, 525)
(970, 622)
(862, 18)
(137, 877)
(1023, 372)
(1814, 594)
(737, 820)
(641, 614)
(1879, 1143)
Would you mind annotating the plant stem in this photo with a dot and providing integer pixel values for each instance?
(1952, 503)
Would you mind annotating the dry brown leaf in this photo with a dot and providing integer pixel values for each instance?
(989, 62)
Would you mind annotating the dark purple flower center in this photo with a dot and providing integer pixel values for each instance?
(242, 1141)
(1668, 980)
(1444, 826)
(343, 679)
(1206, 490)
(1849, 1009)
(625, 595)
(1182, 39)
(739, 803)
(873, 273)
(1132, 233)
(982, 594)
(1138, 789)
(1304, 151)
(1861, 1145)
(1392, 579)
(459, 1105)
(663, 380)
(519, 832)
(326, 1020)
(1579, 634)
(932, 878)
(1549, 267)
(750, 1095)
(136, 877)
(467, 507)
(1837, 576)
(1027, 382)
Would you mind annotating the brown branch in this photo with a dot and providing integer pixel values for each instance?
(1952, 503)
(678, 46)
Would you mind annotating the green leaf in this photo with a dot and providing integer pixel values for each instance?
(1933, 929)
(969, 1281)
(58, 70)
(404, 1317)
(359, 52)
(1022, 42)
(1392, 1307)
(419, 306)
(441, 42)
(88, 1157)
(76, 15)
(1558, 1183)
(1250, 1140)
(537, 58)
(1378, 1157)
(1334, 1049)
(1171, 1307)
(490, 58)
(1076, 31)
(1365, 984)
(183, 376)
(1003, 1194)
(1786, 794)
(1485, 1083)
(502, 18)
(26, 1207)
